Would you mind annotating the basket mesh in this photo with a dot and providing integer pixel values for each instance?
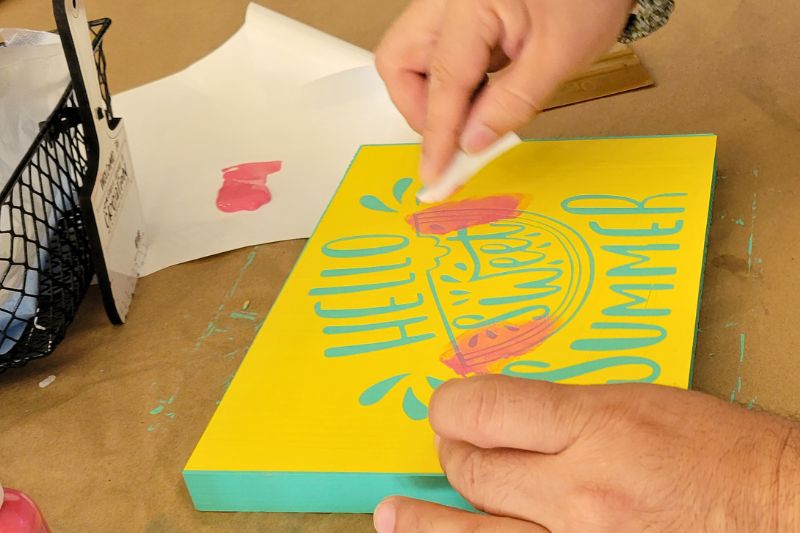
(45, 260)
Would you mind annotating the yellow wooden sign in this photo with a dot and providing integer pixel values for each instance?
(576, 261)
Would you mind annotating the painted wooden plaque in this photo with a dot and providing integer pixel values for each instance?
(574, 261)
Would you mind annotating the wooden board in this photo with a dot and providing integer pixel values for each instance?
(618, 71)
(557, 262)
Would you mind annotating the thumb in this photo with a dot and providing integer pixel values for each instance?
(510, 100)
(403, 515)
(496, 411)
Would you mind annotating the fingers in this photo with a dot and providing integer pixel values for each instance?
(514, 97)
(409, 93)
(403, 515)
(461, 59)
(404, 55)
(505, 412)
(514, 483)
(470, 35)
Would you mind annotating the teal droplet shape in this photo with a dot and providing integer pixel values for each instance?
(400, 188)
(449, 279)
(376, 392)
(414, 409)
(461, 266)
(376, 204)
(434, 382)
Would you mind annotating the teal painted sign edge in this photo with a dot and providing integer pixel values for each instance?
(309, 492)
(703, 266)
(205, 487)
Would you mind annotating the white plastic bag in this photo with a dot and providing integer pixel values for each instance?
(33, 76)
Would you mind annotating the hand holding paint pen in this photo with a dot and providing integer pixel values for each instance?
(437, 53)
(463, 167)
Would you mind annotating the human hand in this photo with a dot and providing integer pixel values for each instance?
(438, 52)
(604, 458)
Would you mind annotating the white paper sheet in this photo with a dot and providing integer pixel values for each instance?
(276, 91)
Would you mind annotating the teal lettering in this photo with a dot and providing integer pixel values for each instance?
(480, 321)
(619, 343)
(330, 251)
(540, 371)
(348, 289)
(357, 349)
(367, 311)
(631, 251)
(544, 284)
(627, 308)
(624, 205)
(333, 272)
(655, 230)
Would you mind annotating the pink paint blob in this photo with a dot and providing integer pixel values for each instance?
(244, 187)
(478, 350)
(453, 216)
(19, 514)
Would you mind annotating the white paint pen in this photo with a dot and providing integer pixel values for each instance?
(463, 167)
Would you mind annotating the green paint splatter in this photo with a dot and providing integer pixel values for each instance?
(212, 327)
(171, 415)
(739, 222)
(151, 428)
(741, 347)
(738, 388)
(244, 316)
(156, 410)
(730, 324)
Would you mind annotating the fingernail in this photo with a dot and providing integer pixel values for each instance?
(477, 137)
(384, 518)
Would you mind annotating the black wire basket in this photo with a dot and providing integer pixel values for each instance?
(45, 257)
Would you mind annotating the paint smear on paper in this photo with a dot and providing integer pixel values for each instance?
(453, 216)
(244, 187)
(477, 351)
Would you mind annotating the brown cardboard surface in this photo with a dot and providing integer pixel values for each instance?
(89, 448)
